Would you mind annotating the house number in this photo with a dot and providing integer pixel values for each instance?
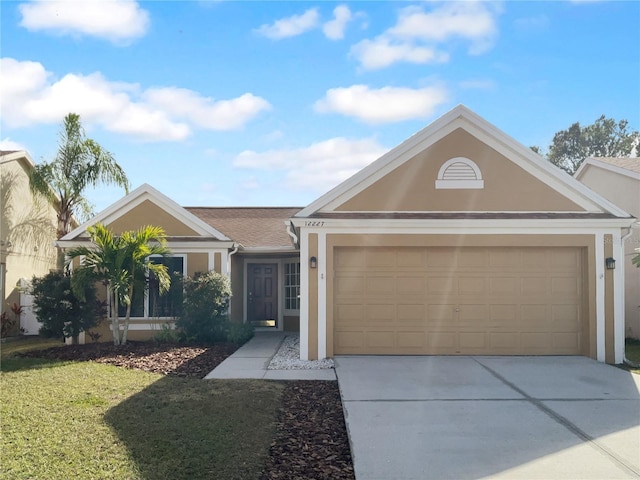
(313, 224)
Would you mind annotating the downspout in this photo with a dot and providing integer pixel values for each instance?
(625, 360)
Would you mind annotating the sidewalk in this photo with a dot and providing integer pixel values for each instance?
(251, 361)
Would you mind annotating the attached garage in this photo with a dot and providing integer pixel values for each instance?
(461, 241)
(449, 301)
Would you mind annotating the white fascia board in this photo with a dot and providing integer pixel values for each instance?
(269, 250)
(135, 198)
(489, 225)
(200, 246)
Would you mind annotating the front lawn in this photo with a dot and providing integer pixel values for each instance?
(65, 420)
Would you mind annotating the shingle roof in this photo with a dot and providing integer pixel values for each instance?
(250, 226)
(627, 163)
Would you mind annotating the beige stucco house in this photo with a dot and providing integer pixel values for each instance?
(618, 180)
(459, 241)
(27, 229)
(251, 245)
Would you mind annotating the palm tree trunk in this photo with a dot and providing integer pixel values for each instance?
(126, 319)
(115, 328)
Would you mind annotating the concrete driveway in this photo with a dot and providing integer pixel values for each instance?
(490, 417)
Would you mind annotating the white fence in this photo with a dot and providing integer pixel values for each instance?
(29, 325)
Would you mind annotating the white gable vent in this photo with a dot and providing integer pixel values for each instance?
(459, 172)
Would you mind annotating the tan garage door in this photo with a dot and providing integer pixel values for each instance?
(469, 301)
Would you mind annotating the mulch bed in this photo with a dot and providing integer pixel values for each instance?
(311, 438)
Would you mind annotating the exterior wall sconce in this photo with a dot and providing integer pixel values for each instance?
(610, 262)
(313, 262)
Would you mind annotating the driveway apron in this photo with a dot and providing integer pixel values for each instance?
(490, 417)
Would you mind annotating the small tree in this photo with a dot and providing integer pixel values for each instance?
(62, 312)
(204, 312)
(121, 262)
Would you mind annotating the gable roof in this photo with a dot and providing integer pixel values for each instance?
(252, 227)
(462, 118)
(22, 156)
(627, 166)
(136, 197)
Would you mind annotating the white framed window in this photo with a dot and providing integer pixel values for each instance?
(459, 173)
(292, 286)
(148, 303)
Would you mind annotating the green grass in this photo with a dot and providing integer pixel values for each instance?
(62, 420)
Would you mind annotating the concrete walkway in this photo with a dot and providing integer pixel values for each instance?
(252, 359)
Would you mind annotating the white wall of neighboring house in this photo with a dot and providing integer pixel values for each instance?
(624, 191)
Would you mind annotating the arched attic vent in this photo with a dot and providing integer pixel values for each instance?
(459, 173)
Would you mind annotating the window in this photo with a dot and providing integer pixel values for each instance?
(151, 304)
(459, 173)
(292, 286)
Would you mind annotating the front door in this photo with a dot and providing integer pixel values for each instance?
(262, 294)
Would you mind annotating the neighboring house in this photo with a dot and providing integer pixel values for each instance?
(27, 231)
(618, 180)
(460, 241)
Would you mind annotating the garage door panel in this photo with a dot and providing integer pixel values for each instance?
(470, 301)
(440, 314)
(472, 340)
(442, 285)
(410, 285)
(411, 315)
(503, 286)
(350, 284)
(379, 313)
(411, 258)
(471, 285)
(381, 257)
(565, 286)
(380, 285)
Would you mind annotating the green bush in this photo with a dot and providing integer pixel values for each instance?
(204, 313)
(61, 313)
(239, 333)
(167, 334)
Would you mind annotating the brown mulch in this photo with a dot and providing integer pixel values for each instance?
(311, 439)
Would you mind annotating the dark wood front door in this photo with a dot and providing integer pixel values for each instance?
(262, 294)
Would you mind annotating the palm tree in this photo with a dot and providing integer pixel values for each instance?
(80, 162)
(122, 264)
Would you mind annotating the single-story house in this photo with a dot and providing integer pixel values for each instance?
(459, 241)
(618, 180)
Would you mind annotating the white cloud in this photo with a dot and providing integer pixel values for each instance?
(8, 144)
(118, 21)
(383, 51)
(423, 34)
(31, 95)
(291, 26)
(334, 29)
(384, 105)
(318, 167)
(206, 112)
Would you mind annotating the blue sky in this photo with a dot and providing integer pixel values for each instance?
(273, 103)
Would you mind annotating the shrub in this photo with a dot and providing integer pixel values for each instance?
(204, 312)
(239, 333)
(167, 334)
(61, 313)
(6, 325)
